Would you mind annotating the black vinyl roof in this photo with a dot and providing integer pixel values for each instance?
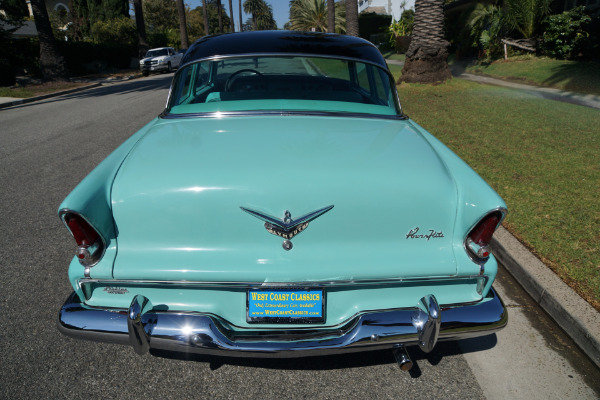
(284, 42)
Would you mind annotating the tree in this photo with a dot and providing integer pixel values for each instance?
(427, 55)
(232, 25)
(240, 14)
(141, 28)
(526, 16)
(205, 12)
(352, 17)
(331, 16)
(262, 14)
(306, 15)
(196, 24)
(220, 14)
(52, 63)
(12, 19)
(182, 24)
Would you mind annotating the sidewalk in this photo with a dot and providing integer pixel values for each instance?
(587, 100)
(12, 101)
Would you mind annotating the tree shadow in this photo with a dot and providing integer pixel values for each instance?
(581, 77)
(139, 85)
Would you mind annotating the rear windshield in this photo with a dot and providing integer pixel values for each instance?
(293, 83)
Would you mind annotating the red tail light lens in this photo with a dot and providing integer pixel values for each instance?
(483, 231)
(478, 239)
(90, 246)
(83, 232)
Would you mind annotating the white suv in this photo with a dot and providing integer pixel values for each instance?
(160, 59)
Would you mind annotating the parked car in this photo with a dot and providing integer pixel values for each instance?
(282, 205)
(162, 59)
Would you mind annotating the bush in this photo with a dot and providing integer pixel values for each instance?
(118, 30)
(567, 35)
(85, 57)
(370, 24)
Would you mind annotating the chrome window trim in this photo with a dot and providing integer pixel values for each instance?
(281, 113)
(288, 55)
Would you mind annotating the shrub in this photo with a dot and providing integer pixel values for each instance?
(118, 30)
(566, 35)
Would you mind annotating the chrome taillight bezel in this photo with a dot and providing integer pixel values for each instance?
(472, 249)
(93, 253)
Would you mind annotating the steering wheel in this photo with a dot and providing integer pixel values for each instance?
(236, 74)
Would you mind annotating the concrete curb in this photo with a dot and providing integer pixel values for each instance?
(47, 96)
(573, 314)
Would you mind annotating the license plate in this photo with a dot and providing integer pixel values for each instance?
(285, 306)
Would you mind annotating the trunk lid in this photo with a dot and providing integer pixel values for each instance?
(177, 197)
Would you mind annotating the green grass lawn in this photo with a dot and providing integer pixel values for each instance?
(390, 55)
(575, 76)
(37, 90)
(541, 156)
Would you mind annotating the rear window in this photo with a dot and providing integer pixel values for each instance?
(294, 83)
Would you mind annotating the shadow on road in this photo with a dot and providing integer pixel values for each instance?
(353, 360)
(136, 85)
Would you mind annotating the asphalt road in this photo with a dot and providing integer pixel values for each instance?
(47, 147)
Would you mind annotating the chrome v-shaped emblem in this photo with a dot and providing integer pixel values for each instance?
(287, 227)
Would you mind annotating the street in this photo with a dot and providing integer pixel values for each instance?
(47, 147)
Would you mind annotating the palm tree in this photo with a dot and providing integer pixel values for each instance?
(526, 15)
(182, 24)
(231, 23)
(253, 8)
(205, 12)
(52, 63)
(352, 17)
(240, 14)
(427, 55)
(262, 14)
(141, 28)
(306, 15)
(220, 14)
(331, 16)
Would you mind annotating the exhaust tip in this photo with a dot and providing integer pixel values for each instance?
(402, 358)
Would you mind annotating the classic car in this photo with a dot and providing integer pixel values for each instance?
(162, 59)
(282, 205)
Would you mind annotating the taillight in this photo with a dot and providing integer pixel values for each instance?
(479, 237)
(89, 243)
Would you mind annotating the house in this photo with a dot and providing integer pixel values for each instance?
(388, 7)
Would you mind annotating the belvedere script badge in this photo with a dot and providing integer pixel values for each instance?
(287, 227)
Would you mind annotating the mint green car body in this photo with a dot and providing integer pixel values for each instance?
(167, 203)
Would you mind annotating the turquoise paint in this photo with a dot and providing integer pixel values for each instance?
(176, 198)
(192, 176)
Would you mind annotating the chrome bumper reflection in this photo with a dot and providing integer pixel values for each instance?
(145, 328)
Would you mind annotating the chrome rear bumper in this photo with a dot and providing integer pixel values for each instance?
(144, 329)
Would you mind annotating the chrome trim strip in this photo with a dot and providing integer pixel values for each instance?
(204, 334)
(401, 116)
(248, 284)
(280, 113)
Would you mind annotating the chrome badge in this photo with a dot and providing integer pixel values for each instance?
(287, 227)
